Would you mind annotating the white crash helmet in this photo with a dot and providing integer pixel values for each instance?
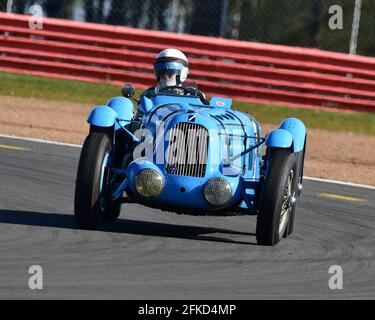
(171, 68)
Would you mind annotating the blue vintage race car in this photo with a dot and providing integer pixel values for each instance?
(187, 156)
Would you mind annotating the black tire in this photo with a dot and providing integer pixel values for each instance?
(123, 146)
(90, 205)
(300, 157)
(282, 164)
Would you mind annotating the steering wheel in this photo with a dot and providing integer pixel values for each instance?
(188, 91)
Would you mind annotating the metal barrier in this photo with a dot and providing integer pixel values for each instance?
(245, 71)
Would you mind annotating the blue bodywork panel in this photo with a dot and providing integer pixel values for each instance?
(118, 112)
(221, 102)
(102, 116)
(123, 107)
(291, 134)
(192, 196)
(145, 105)
(298, 131)
(279, 138)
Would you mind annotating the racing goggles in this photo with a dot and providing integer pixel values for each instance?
(168, 69)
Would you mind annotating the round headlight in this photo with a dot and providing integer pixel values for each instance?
(149, 183)
(217, 192)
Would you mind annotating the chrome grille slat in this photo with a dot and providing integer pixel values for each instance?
(205, 146)
(180, 151)
(191, 147)
(197, 149)
(191, 150)
(202, 137)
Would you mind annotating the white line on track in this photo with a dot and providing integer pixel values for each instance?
(350, 184)
(41, 141)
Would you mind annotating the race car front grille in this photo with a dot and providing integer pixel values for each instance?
(187, 150)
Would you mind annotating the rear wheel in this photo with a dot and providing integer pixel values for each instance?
(92, 203)
(275, 200)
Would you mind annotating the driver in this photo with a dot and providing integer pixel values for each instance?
(171, 68)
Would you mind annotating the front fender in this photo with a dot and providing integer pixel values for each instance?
(102, 116)
(279, 138)
(298, 131)
(123, 107)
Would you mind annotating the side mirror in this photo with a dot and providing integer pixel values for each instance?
(128, 90)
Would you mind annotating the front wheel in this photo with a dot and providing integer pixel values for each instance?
(92, 203)
(275, 200)
(297, 186)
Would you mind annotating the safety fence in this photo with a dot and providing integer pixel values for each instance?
(244, 71)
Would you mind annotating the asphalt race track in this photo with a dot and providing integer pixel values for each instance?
(150, 254)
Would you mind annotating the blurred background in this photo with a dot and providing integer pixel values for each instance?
(299, 22)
